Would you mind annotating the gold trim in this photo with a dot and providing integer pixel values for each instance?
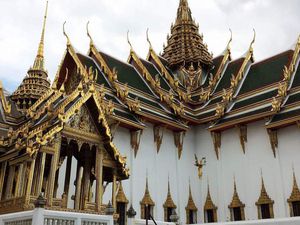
(236, 203)
(209, 205)
(121, 197)
(178, 140)
(216, 137)
(264, 199)
(273, 140)
(295, 195)
(169, 203)
(242, 129)
(191, 206)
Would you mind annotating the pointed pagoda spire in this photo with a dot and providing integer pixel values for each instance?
(184, 13)
(264, 198)
(236, 202)
(39, 60)
(36, 82)
(185, 45)
(209, 203)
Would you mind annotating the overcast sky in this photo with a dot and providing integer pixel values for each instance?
(277, 24)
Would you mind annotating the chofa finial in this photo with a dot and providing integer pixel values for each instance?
(64, 32)
(230, 40)
(148, 40)
(253, 40)
(88, 33)
(129, 40)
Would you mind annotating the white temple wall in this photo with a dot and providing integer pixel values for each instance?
(158, 166)
(277, 172)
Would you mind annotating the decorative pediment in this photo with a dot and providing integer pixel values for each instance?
(121, 197)
(236, 202)
(191, 204)
(147, 200)
(295, 195)
(169, 203)
(264, 197)
(209, 205)
(82, 121)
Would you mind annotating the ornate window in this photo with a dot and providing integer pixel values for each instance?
(147, 204)
(210, 210)
(294, 200)
(191, 209)
(122, 202)
(264, 204)
(169, 206)
(236, 207)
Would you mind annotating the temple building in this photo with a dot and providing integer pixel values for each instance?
(209, 138)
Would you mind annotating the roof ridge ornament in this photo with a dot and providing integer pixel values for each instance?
(88, 34)
(148, 40)
(131, 48)
(65, 34)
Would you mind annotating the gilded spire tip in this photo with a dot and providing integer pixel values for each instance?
(253, 40)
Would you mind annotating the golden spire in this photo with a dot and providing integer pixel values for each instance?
(295, 195)
(88, 34)
(236, 202)
(36, 82)
(184, 13)
(39, 60)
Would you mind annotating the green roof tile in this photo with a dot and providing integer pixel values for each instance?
(266, 72)
(232, 68)
(127, 74)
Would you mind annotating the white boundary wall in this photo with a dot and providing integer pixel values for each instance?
(41, 216)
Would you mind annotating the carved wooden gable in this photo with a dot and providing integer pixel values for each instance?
(83, 121)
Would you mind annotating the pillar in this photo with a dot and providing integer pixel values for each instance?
(2, 176)
(114, 189)
(40, 177)
(99, 178)
(10, 181)
(67, 179)
(29, 183)
(52, 173)
(78, 188)
(20, 178)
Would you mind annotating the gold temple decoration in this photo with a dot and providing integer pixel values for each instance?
(146, 201)
(185, 37)
(199, 164)
(228, 95)
(287, 78)
(295, 195)
(178, 140)
(273, 140)
(135, 140)
(169, 203)
(236, 203)
(5, 104)
(191, 206)
(121, 197)
(216, 137)
(36, 82)
(263, 200)
(209, 205)
(242, 129)
(158, 132)
(213, 80)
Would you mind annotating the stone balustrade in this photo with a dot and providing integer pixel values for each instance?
(40, 216)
